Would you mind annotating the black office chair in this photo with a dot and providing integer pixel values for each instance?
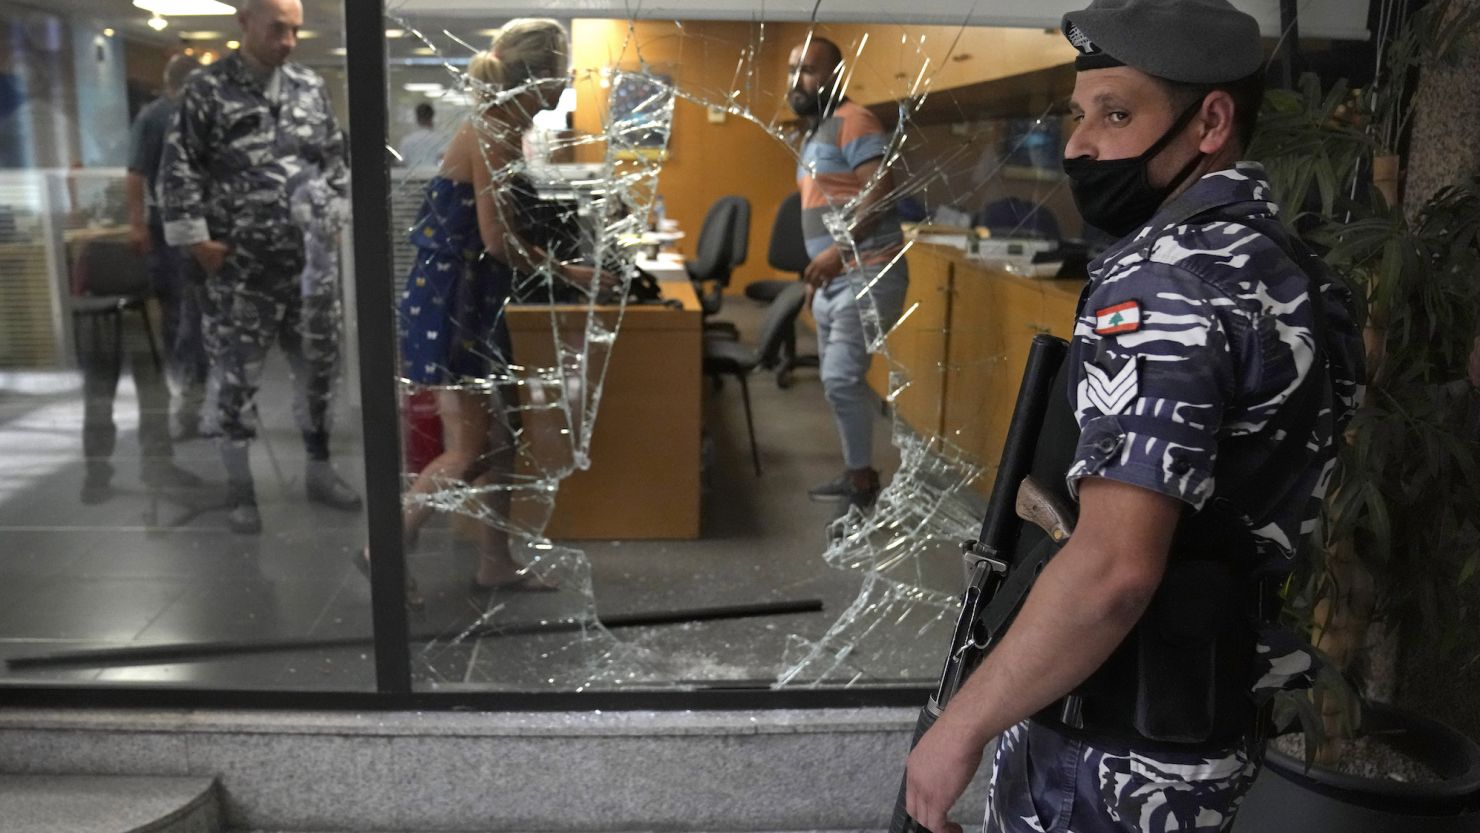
(724, 243)
(787, 253)
(730, 358)
(110, 278)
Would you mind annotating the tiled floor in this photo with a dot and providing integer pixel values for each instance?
(140, 569)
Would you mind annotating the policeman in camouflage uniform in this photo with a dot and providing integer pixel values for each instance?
(252, 128)
(1212, 367)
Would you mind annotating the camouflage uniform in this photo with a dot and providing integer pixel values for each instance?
(232, 161)
(1192, 340)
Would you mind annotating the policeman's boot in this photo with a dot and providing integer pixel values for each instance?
(324, 485)
(98, 484)
(240, 493)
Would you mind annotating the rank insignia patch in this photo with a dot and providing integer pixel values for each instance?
(1111, 392)
(1121, 318)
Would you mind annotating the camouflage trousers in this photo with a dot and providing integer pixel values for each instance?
(1046, 782)
(256, 299)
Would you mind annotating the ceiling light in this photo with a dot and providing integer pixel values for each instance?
(395, 33)
(233, 44)
(487, 33)
(422, 87)
(424, 50)
(202, 35)
(184, 7)
(307, 34)
(108, 33)
(158, 23)
(338, 50)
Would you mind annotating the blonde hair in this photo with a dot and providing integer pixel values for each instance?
(522, 50)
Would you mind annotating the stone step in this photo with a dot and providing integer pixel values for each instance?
(511, 772)
(108, 804)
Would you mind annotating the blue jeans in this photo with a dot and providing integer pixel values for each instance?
(844, 334)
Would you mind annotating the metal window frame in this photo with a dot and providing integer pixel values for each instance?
(365, 48)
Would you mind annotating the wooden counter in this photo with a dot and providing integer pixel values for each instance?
(644, 476)
(965, 347)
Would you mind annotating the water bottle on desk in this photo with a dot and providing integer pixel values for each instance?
(660, 221)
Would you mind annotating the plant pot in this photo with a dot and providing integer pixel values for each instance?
(1287, 796)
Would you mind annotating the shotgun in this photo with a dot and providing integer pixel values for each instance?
(988, 557)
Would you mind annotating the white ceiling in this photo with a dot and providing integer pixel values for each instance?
(444, 22)
(323, 19)
(1342, 19)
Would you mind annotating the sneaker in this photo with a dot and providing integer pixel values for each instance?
(856, 498)
(164, 474)
(834, 489)
(324, 485)
(244, 519)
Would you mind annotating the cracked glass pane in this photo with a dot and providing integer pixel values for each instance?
(565, 435)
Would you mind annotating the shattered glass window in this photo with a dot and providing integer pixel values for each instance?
(573, 448)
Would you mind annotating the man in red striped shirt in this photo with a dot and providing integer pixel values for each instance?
(856, 280)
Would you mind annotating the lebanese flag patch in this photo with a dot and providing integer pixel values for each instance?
(1121, 318)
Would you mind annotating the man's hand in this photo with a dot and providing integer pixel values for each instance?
(824, 268)
(210, 255)
(936, 774)
(140, 239)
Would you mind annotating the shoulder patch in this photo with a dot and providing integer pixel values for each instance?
(1111, 391)
(1122, 318)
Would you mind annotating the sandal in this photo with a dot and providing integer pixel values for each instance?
(526, 583)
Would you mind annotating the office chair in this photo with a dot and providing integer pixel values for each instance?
(108, 279)
(730, 358)
(787, 253)
(724, 242)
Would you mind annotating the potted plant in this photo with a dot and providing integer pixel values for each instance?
(1399, 535)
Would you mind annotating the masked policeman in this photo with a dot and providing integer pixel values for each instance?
(251, 128)
(1213, 362)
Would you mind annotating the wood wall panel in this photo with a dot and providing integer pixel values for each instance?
(919, 346)
(706, 161)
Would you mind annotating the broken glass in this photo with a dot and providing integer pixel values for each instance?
(974, 133)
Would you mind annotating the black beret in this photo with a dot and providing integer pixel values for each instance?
(1191, 41)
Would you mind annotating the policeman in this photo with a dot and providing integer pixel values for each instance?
(252, 127)
(1213, 362)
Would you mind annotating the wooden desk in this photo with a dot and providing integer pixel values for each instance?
(966, 346)
(643, 481)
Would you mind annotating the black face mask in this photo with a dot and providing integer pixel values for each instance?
(1114, 194)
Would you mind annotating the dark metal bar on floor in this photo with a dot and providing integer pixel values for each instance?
(177, 652)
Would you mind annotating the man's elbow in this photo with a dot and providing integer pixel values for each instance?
(1116, 591)
(1126, 592)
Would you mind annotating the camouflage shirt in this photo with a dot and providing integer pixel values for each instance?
(232, 155)
(1194, 340)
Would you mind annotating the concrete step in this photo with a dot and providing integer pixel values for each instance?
(108, 804)
(510, 772)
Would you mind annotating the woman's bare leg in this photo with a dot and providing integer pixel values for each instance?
(465, 419)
